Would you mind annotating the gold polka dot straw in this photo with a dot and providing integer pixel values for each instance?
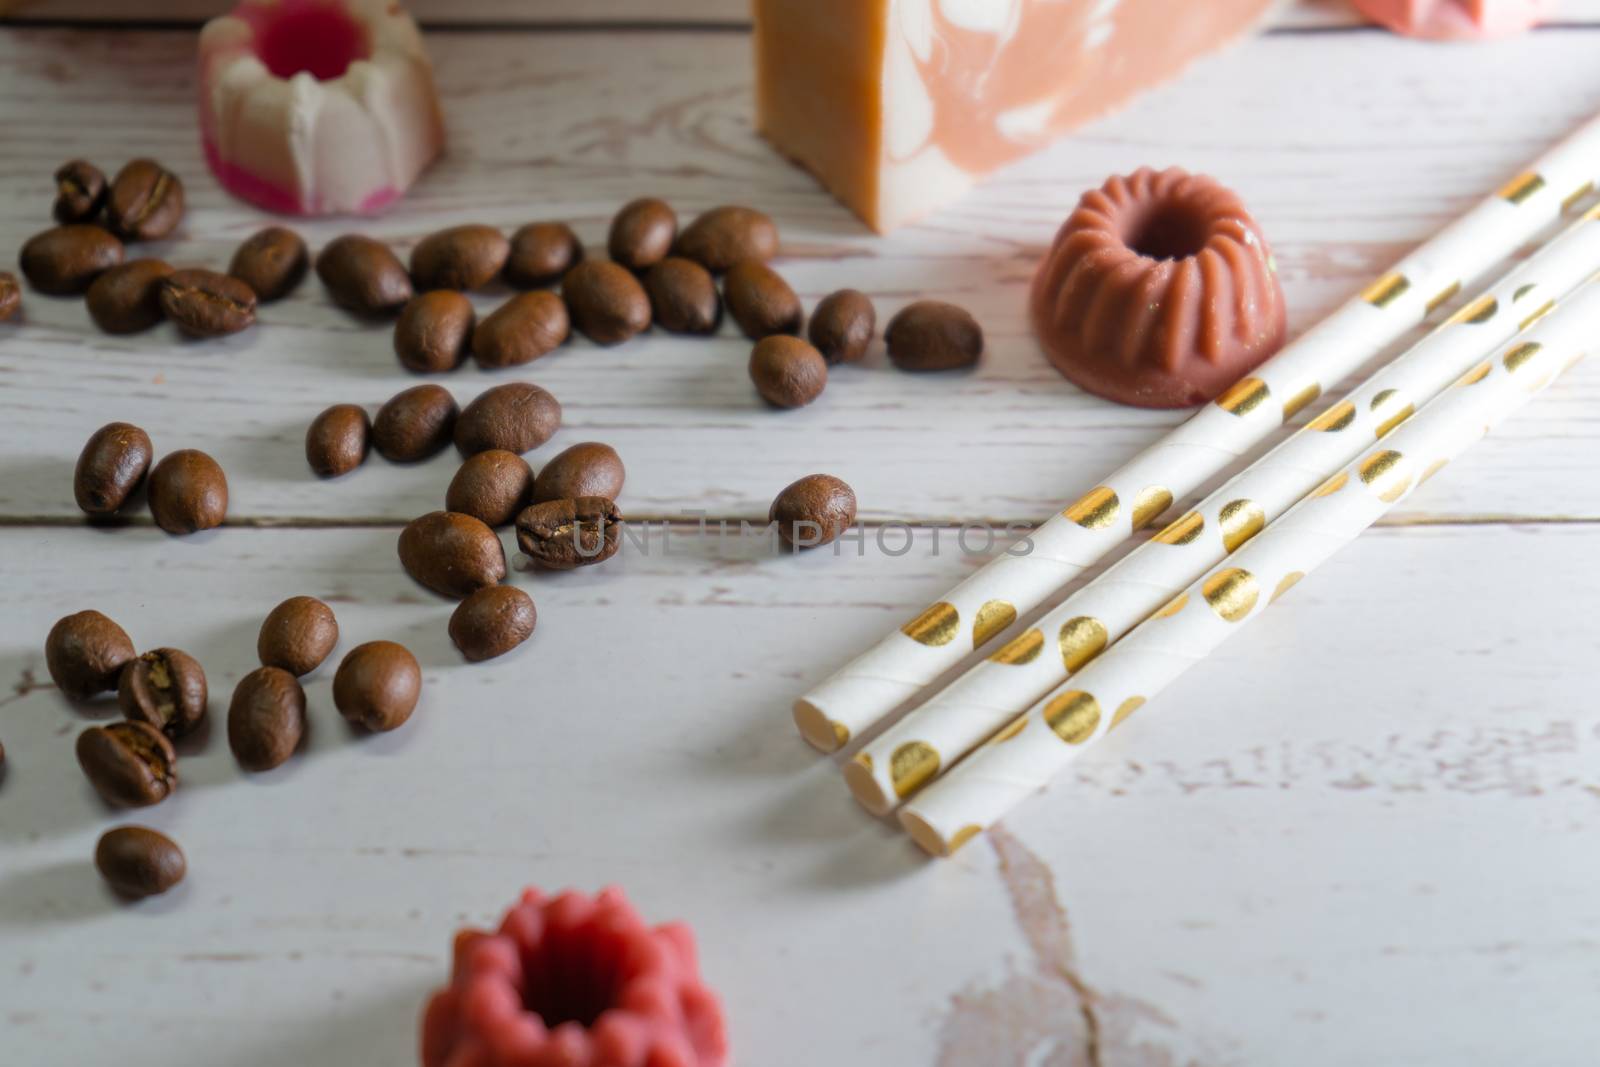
(955, 721)
(1026, 754)
(980, 608)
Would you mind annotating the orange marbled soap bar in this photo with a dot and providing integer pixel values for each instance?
(900, 106)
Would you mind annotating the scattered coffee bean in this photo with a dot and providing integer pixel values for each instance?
(541, 252)
(587, 469)
(683, 296)
(10, 296)
(562, 534)
(80, 192)
(725, 236)
(432, 332)
(842, 326)
(85, 653)
(461, 257)
(813, 511)
(337, 440)
(377, 685)
(516, 416)
(66, 260)
(203, 303)
(145, 202)
(933, 335)
(527, 326)
(139, 862)
(788, 372)
(188, 492)
(760, 301)
(492, 621)
(130, 764)
(451, 553)
(266, 719)
(491, 486)
(363, 275)
(297, 635)
(642, 233)
(110, 467)
(165, 688)
(271, 262)
(127, 298)
(415, 423)
(606, 302)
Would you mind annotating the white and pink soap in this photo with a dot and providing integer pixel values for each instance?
(1457, 20)
(317, 107)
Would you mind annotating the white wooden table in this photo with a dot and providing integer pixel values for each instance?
(1382, 851)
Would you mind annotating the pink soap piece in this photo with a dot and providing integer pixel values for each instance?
(575, 981)
(1458, 20)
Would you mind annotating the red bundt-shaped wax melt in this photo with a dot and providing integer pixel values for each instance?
(1159, 291)
(574, 981)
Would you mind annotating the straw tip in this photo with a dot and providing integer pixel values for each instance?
(815, 726)
(869, 793)
(926, 837)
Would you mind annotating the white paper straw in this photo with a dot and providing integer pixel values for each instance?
(980, 608)
(1040, 743)
(955, 721)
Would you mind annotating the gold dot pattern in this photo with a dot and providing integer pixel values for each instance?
(1538, 313)
(1334, 419)
(863, 759)
(1476, 313)
(1126, 708)
(1383, 471)
(1011, 729)
(1082, 639)
(1332, 485)
(841, 733)
(1244, 396)
(1182, 531)
(1298, 402)
(963, 835)
(1096, 510)
(1231, 593)
(1522, 291)
(994, 616)
(934, 627)
(1521, 188)
(1023, 648)
(1433, 468)
(1576, 195)
(1475, 375)
(912, 764)
(1289, 581)
(1388, 403)
(1171, 607)
(1386, 290)
(1519, 356)
(1149, 504)
(1074, 716)
(1240, 520)
(1443, 297)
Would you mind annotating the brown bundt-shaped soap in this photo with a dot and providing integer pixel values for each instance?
(1159, 291)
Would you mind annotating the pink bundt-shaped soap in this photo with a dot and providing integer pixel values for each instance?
(1159, 291)
(574, 981)
(1458, 20)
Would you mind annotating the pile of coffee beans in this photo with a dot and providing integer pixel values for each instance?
(187, 490)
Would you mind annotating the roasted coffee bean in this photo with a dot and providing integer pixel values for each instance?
(188, 492)
(516, 416)
(266, 719)
(606, 302)
(415, 423)
(145, 202)
(110, 467)
(377, 685)
(461, 257)
(683, 296)
(760, 301)
(85, 653)
(297, 635)
(562, 534)
(521, 330)
(127, 298)
(788, 372)
(271, 262)
(451, 553)
(587, 469)
(642, 233)
(80, 192)
(165, 688)
(725, 236)
(842, 326)
(66, 260)
(10, 296)
(130, 764)
(337, 440)
(814, 510)
(203, 303)
(432, 332)
(541, 252)
(933, 335)
(492, 621)
(491, 486)
(363, 275)
(139, 862)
